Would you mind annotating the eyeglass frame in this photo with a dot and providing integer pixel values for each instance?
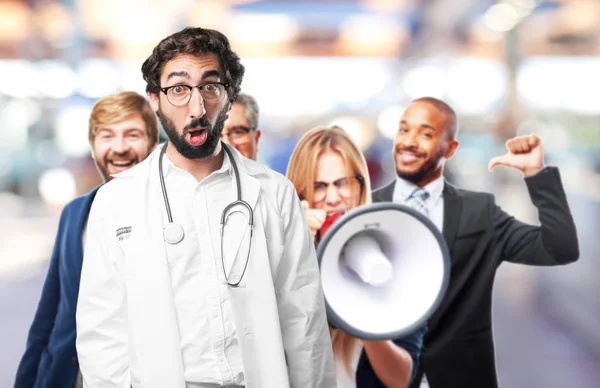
(359, 178)
(191, 89)
(245, 129)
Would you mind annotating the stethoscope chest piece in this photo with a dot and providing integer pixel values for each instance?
(173, 233)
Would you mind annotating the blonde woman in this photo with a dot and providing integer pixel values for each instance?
(330, 175)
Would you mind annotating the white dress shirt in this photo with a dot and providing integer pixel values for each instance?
(434, 204)
(79, 378)
(209, 344)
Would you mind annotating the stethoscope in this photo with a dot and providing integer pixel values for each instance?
(173, 233)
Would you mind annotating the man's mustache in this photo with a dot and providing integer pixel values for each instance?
(201, 122)
(411, 150)
(120, 155)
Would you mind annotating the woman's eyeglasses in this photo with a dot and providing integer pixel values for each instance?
(346, 187)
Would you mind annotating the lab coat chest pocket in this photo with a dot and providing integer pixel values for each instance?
(146, 277)
(267, 250)
(274, 238)
(132, 263)
(139, 258)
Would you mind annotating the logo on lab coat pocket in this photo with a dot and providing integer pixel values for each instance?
(123, 233)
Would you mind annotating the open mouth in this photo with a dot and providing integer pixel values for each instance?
(196, 137)
(120, 165)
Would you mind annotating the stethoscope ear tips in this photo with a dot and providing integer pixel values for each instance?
(173, 233)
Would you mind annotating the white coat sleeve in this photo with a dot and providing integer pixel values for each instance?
(301, 304)
(101, 316)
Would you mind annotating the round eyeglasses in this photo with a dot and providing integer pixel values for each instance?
(180, 95)
(346, 187)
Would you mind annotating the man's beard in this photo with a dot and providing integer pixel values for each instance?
(103, 165)
(213, 135)
(430, 165)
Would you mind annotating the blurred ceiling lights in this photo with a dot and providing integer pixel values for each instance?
(14, 21)
(57, 186)
(506, 14)
(388, 5)
(376, 35)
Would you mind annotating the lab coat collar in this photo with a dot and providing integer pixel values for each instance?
(245, 166)
(248, 170)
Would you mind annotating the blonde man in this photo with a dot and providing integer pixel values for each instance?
(122, 132)
(330, 175)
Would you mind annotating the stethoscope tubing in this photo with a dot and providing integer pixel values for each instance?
(238, 202)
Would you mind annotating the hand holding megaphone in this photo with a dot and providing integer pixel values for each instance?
(315, 218)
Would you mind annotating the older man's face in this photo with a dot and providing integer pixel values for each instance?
(239, 133)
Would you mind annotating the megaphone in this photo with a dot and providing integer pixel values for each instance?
(384, 268)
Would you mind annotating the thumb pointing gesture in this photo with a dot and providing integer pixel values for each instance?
(504, 160)
(525, 153)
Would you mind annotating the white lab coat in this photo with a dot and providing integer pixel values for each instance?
(126, 320)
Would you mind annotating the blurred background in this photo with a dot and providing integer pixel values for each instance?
(508, 67)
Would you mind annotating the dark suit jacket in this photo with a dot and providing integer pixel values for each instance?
(458, 349)
(50, 358)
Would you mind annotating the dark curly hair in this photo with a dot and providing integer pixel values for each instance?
(194, 41)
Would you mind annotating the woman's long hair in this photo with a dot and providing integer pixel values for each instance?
(301, 172)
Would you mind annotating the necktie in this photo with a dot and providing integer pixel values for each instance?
(417, 200)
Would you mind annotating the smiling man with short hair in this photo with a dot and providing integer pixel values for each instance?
(122, 132)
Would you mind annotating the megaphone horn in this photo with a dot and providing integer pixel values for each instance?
(384, 270)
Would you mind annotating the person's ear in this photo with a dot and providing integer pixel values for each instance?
(452, 146)
(154, 102)
(257, 134)
(93, 154)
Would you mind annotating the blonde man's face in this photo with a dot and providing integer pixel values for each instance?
(120, 146)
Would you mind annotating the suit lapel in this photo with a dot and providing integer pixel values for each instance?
(452, 210)
(385, 193)
(76, 233)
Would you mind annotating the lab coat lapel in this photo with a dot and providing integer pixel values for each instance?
(254, 304)
(256, 316)
(152, 315)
